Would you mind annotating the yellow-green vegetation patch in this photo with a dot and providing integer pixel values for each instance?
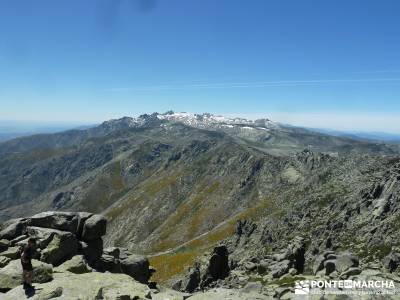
(192, 210)
(105, 189)
(153, 188)
(174, 263)
(182, 212)
(211, 188)
(117, 181)
(169, 265)
(121, 208)
(150, 190)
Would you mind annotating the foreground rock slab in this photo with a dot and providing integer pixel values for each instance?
(228, 294)
(93, 285)
(165, 293)
(11, 275)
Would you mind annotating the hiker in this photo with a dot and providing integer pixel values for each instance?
(26, 262)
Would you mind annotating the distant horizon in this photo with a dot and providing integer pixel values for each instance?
(340, 121)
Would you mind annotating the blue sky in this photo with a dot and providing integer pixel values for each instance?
(331, 64)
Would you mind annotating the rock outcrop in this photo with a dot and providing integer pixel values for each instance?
(94, 228)
(200, 277)
(218, 266)
(76, 264)
(392, 261)
(192, 281)
(58, 235)
(70, 250)
(333, 265)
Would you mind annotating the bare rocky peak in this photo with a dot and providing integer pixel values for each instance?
(129, 122)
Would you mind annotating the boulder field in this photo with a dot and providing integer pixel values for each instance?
(71, 263)
(235, 270)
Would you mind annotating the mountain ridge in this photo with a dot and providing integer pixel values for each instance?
(260, 131)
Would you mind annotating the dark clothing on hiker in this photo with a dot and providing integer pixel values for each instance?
(26, 258)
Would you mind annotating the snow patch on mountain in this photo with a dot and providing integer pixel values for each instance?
(207, 120)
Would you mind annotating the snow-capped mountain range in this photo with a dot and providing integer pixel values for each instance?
(205, 120)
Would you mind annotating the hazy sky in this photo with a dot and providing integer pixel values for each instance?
(331, 64)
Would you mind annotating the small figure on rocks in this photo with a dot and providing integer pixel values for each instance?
(26, 262)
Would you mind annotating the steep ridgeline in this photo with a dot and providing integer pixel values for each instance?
(173, 185)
